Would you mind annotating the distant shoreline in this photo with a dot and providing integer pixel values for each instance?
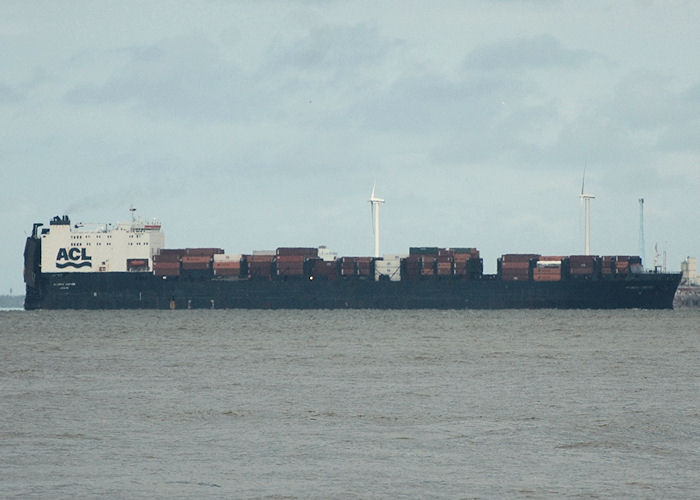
(11, 301)
(687, 296)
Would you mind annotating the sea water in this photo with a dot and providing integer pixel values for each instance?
(350, 404)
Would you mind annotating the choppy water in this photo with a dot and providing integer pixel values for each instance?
(343, 404)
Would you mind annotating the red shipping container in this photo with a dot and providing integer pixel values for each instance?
(518, 257)
(200, 252)
(196, 259)
(290, 259)
(173, 251)
(260, 258)
(297, 252)
(227, 264)
(168, 257)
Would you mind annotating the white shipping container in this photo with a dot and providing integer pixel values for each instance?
(326, 254)
(226, 257)
(391, 268)
(548, 263)
(390, 257)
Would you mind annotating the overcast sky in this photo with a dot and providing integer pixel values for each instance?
(253, 125)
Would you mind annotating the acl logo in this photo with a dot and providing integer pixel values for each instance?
(72, 257)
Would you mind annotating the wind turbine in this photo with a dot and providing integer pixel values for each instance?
(375, 202)
(641, 230)
(587, 211)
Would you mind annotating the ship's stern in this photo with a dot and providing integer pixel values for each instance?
(32, 270)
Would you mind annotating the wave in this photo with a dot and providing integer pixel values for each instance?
(73, 264)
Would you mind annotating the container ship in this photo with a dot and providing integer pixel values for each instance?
(128, 266)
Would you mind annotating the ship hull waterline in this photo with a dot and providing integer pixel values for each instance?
(130, 290)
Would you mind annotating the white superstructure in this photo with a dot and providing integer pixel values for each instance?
(99, 248)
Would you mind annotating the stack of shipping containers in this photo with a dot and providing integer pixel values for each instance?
(167, 262)
(420, 263)
(547, 268)
(620, 265)
(324, 269)
(428, 265)
(290, 260)
(582, 266)
(197, 261)
(259, 264)
(444, 265)
(516, 266)
(411, 267)
(468, 263)
(607, 266)
(356, 266)
(427, 262)
(348, 266)
(190, 261)
(227, 265)
(626, 264)
(365, 267)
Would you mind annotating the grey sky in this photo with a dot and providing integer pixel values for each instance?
(252, 125)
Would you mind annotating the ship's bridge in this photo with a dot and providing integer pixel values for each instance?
(92, 247)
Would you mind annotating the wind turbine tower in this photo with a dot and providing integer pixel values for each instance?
(587, 211)
(375, 202)
(641, 230)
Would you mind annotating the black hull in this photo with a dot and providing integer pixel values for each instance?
(146, 291)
